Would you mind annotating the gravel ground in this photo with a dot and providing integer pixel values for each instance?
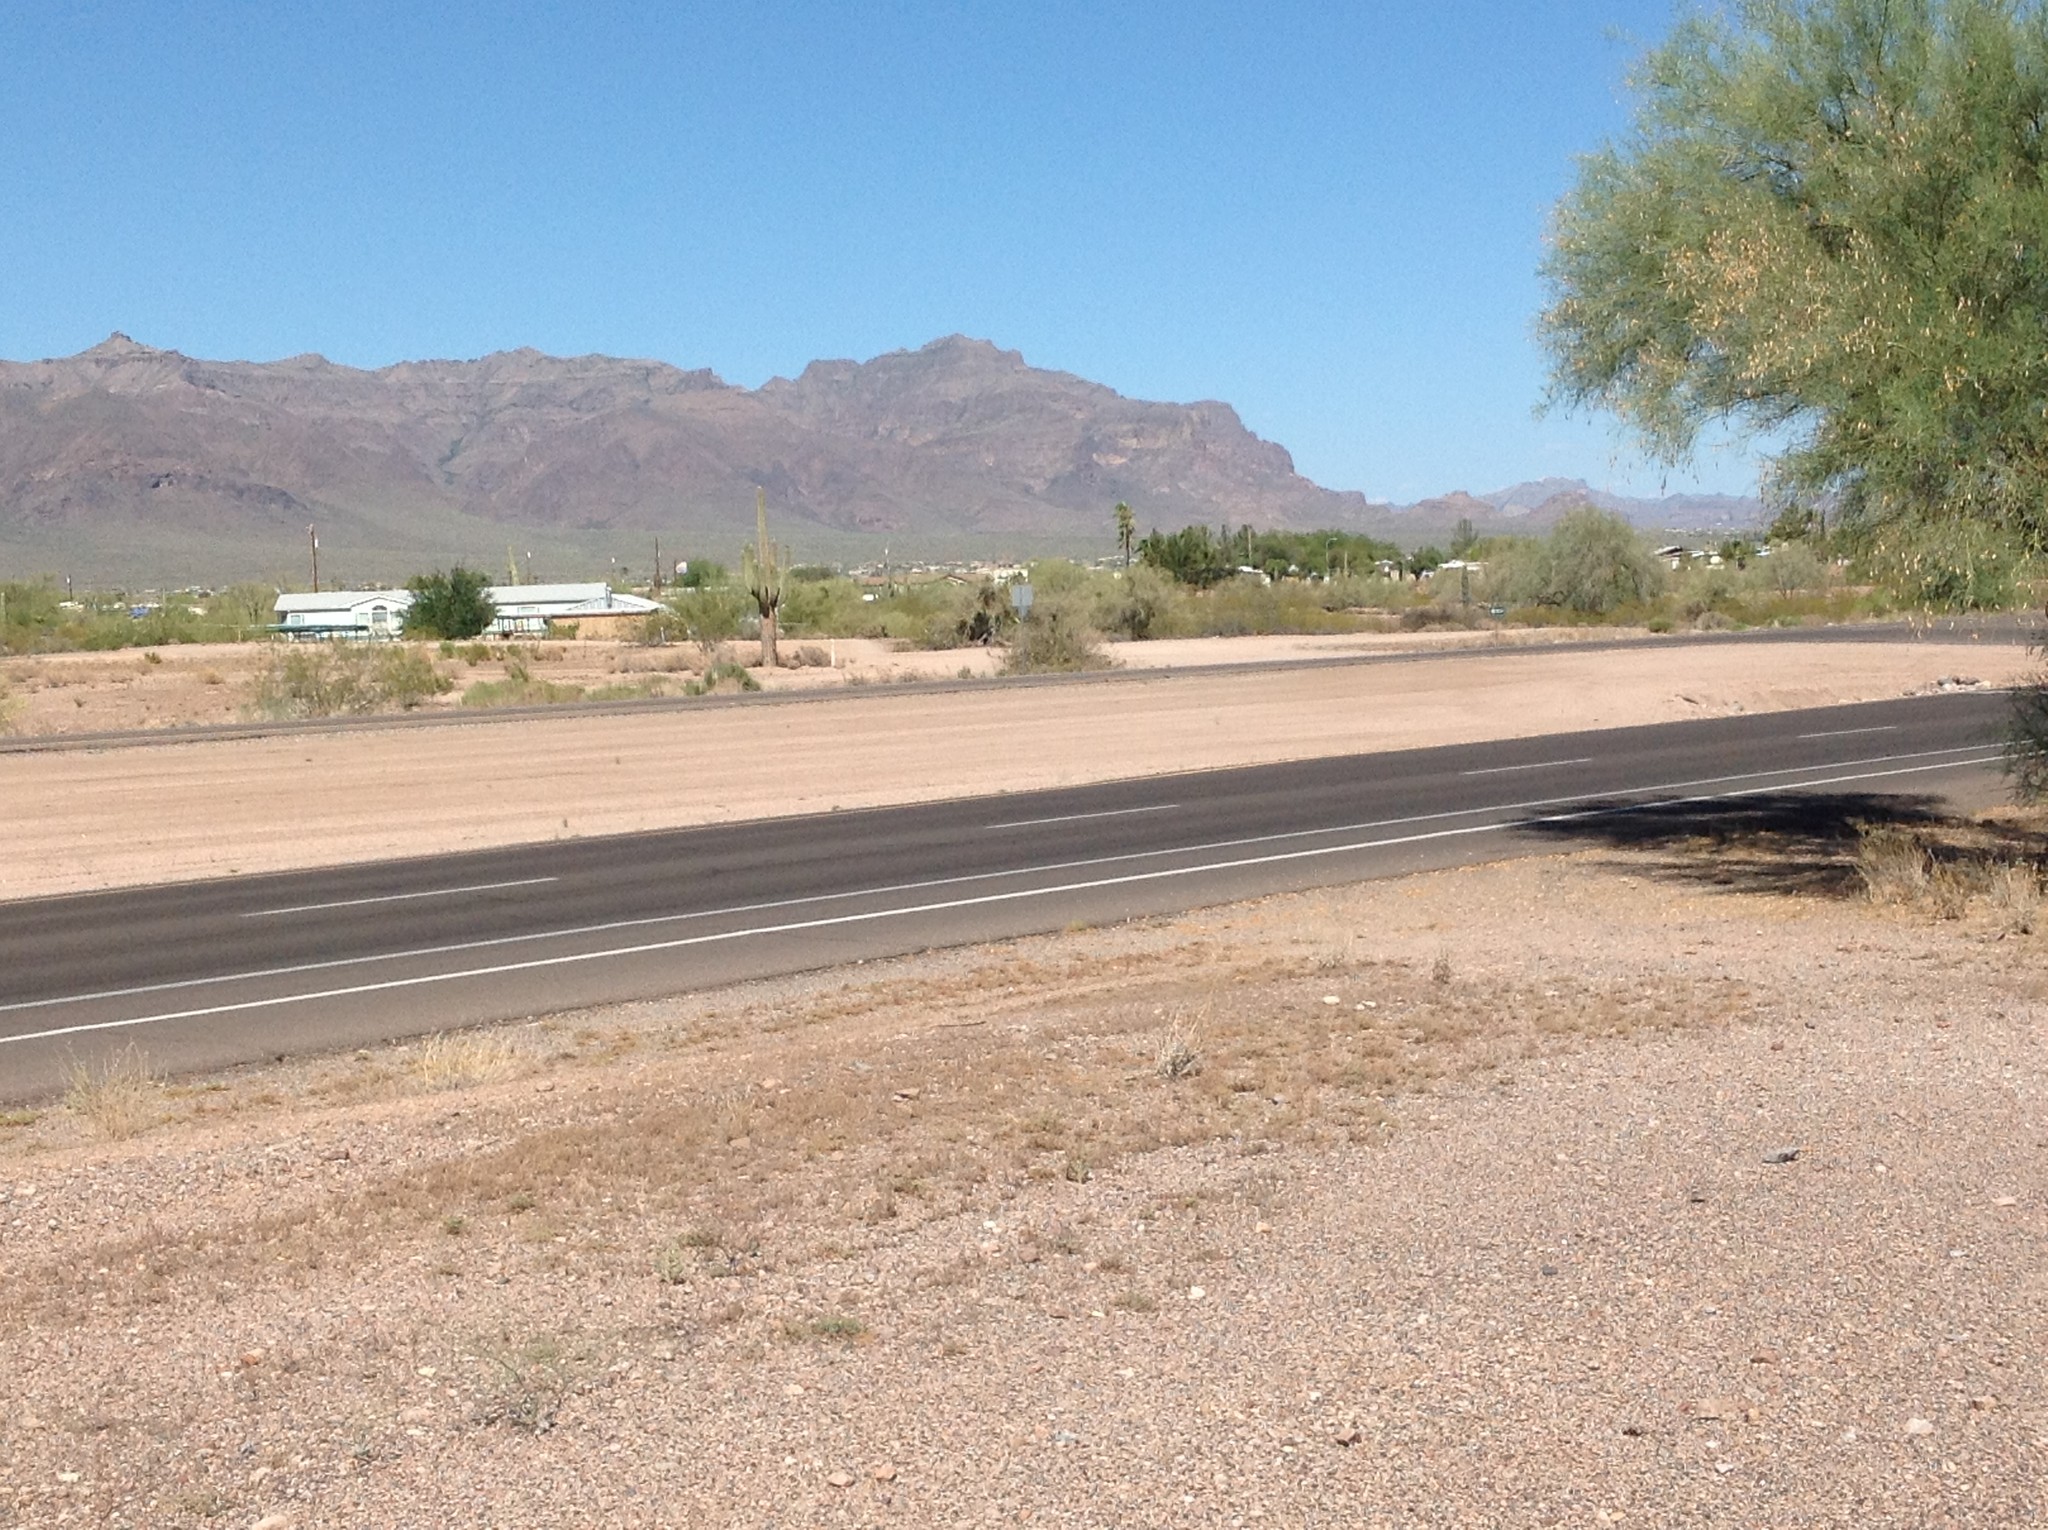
(1469, 1213)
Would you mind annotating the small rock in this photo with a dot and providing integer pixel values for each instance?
(1196, 1293)
(1764, 1357)
(884, 1473)
(840, 1479)
(2006, 1200)
(252, 1357)
(1348, 1436)
(1549, 1269)
(272, 1522)
(1782, 1155)
(1717, 1408)
(1984, 1404)
(1919, 1426)
(1065, 1437)
(1330, 998)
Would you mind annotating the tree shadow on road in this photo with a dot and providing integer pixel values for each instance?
(1788, 842)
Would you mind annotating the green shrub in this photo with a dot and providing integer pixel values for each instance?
(1592, 564)
(301, 680)
(723, 676)
(456, 604)
(1056, 638)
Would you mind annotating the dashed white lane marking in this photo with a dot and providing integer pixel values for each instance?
(438, 892)
(1501, 770)
(1032, 823)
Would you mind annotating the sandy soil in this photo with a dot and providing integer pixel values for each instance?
(197, 684)
(86, 820)
(1473, 1204)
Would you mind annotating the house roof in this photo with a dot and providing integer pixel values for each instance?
(568, 600)
(336, 601)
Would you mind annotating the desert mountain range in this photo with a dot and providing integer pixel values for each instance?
(129, 463)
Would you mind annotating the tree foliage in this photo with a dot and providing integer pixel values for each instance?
(455, 605)
(1828, 228)
(1195, 555)
(1592, 562)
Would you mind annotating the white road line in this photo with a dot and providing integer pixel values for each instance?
(611, 926)
(439, 892)
(1502, 770)
(1032, 823)
(1852, 732)
(795, 926)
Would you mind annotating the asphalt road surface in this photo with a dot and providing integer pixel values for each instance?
(204, 975)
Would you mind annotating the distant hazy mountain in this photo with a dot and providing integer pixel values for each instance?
(1535, 507)
(130, 463)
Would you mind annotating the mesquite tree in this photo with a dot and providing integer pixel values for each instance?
(1828, 230)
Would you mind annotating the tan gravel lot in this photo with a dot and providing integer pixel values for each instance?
(1462, 1214)
(86, 820)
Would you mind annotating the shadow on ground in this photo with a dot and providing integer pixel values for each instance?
(1785, 842)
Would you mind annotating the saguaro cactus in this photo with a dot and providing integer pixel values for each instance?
(762, 571)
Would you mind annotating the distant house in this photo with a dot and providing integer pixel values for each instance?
(595, 610)
(359, 614)
(524, 610)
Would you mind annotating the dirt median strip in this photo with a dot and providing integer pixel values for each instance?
(79, 822)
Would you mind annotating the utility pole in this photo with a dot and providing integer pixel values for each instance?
(657, 564)
(314, 534)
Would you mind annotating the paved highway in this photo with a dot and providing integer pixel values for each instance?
(208, 974)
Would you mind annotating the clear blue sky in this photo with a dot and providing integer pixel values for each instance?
(1328, 215)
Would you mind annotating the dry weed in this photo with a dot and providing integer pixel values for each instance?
(1893, 862)
(457, 1060)
(1179, 1055)
(118, 1097)
(2015, 890)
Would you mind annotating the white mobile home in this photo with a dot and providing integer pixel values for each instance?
(343, 614)
(596, 610)
(524, 610)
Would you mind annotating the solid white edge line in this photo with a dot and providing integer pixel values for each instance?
(795, 926)
(438, 892)
(1502, 770)
(1032, 823)
(1850, 732)
(605, 927)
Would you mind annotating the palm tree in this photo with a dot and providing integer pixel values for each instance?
(1126, 529)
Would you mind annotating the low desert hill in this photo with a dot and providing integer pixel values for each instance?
(135, 464)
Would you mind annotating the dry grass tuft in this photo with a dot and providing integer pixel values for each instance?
(1893, 862)
(2015, 891)
(119, 1097)
(1179, 1056)
(457, 1060)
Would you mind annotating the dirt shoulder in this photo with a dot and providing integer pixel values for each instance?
(78, 821)
(1468, 1202)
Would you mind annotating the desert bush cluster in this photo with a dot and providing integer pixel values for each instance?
(304, 680)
